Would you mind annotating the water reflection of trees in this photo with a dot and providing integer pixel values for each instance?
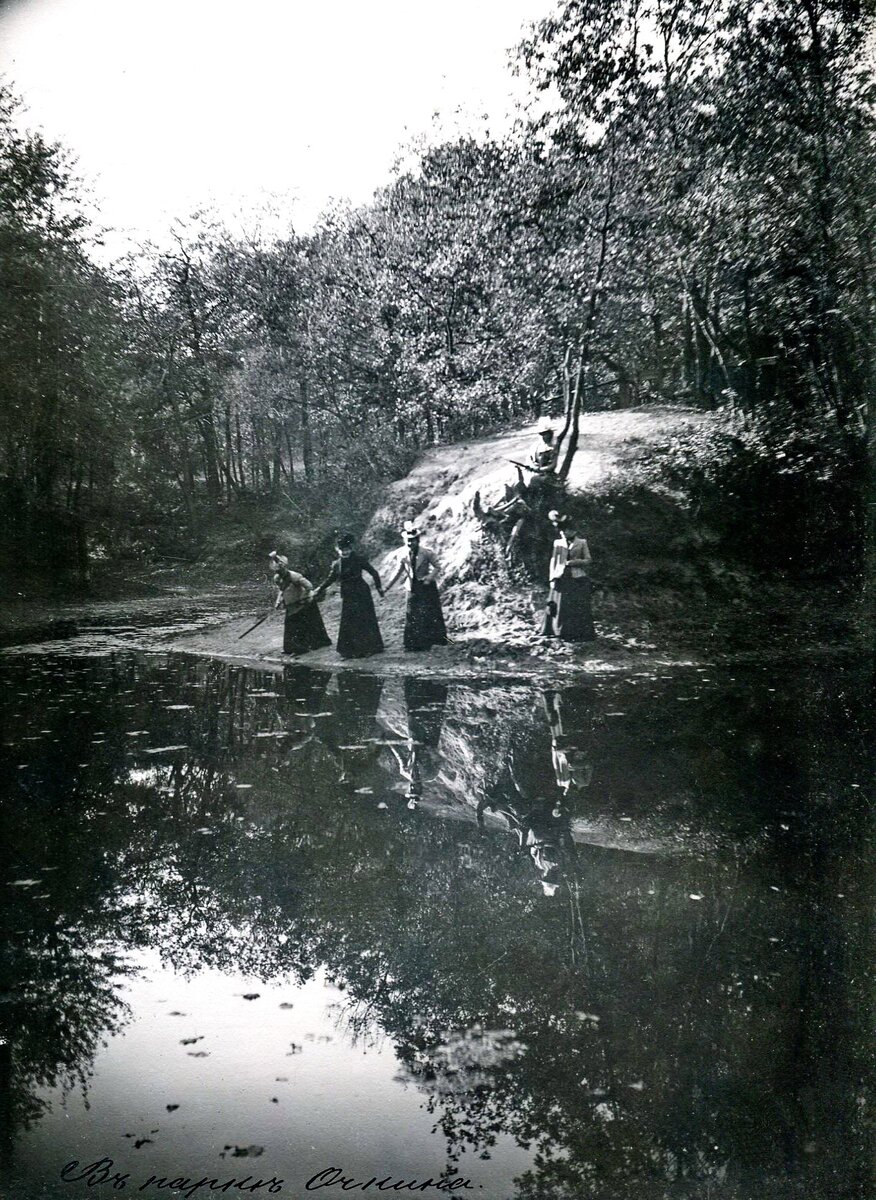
(619, 1027)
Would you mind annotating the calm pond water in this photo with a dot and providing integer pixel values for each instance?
(608, 940)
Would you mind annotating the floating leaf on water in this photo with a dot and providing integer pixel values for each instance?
(287, 1004)
(191, 1041)
(177, 1014)
(171, 1107)
(638, 1086)
(199, 1053)
(695, 896)
(142, 1142)
(251, 995)
(247, 1151)
(381, 805)
(591, 1018)
(243, 787)
(178, 707)
(24, 883)
(364, 791)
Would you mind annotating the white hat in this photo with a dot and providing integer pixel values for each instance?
(280, 558)
(545, 427)
(409, 529)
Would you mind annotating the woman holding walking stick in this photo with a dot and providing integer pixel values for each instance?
(303, 627)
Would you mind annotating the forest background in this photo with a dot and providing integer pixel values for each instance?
(683, 215)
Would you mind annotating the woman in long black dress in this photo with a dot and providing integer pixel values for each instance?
(303, 628)
(569, 615)
(424, 620)
(358, 633)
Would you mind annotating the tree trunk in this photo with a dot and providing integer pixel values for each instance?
(574, 419)
(306, 437)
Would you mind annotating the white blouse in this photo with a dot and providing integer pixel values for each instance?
(574, 555)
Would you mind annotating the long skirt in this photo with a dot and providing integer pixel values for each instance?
(304, 630)
(424, 621)
(568, 614)
(358, 633)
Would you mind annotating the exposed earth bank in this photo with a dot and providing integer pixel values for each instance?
(663, 592)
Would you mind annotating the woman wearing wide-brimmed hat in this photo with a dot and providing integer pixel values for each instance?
(568, 615)
(303, 627)
(424, 620)
(358, 632)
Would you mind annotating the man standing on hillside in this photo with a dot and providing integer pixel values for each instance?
(543, 458)
(541, 463)
(424, 620)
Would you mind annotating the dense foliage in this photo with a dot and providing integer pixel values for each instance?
(683, 217)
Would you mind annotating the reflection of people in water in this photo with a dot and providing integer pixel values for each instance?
(571, 769)
(425, 703)
(304, 690)
(334, 719)
(542, 829)
(352, 723)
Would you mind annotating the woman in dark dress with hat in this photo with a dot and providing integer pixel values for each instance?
(358, 633)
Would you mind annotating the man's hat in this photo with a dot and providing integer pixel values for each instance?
(409, 529)
(545, 427)
(556, 517)
(280, 558)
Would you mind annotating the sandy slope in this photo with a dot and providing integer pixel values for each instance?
(438, 492)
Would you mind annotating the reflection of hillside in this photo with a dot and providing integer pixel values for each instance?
(628, 1029)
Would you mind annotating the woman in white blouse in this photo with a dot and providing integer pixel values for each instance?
(568, 615)
(418, 566)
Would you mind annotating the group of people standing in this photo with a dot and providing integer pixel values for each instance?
(359, 633)
(568, 614)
